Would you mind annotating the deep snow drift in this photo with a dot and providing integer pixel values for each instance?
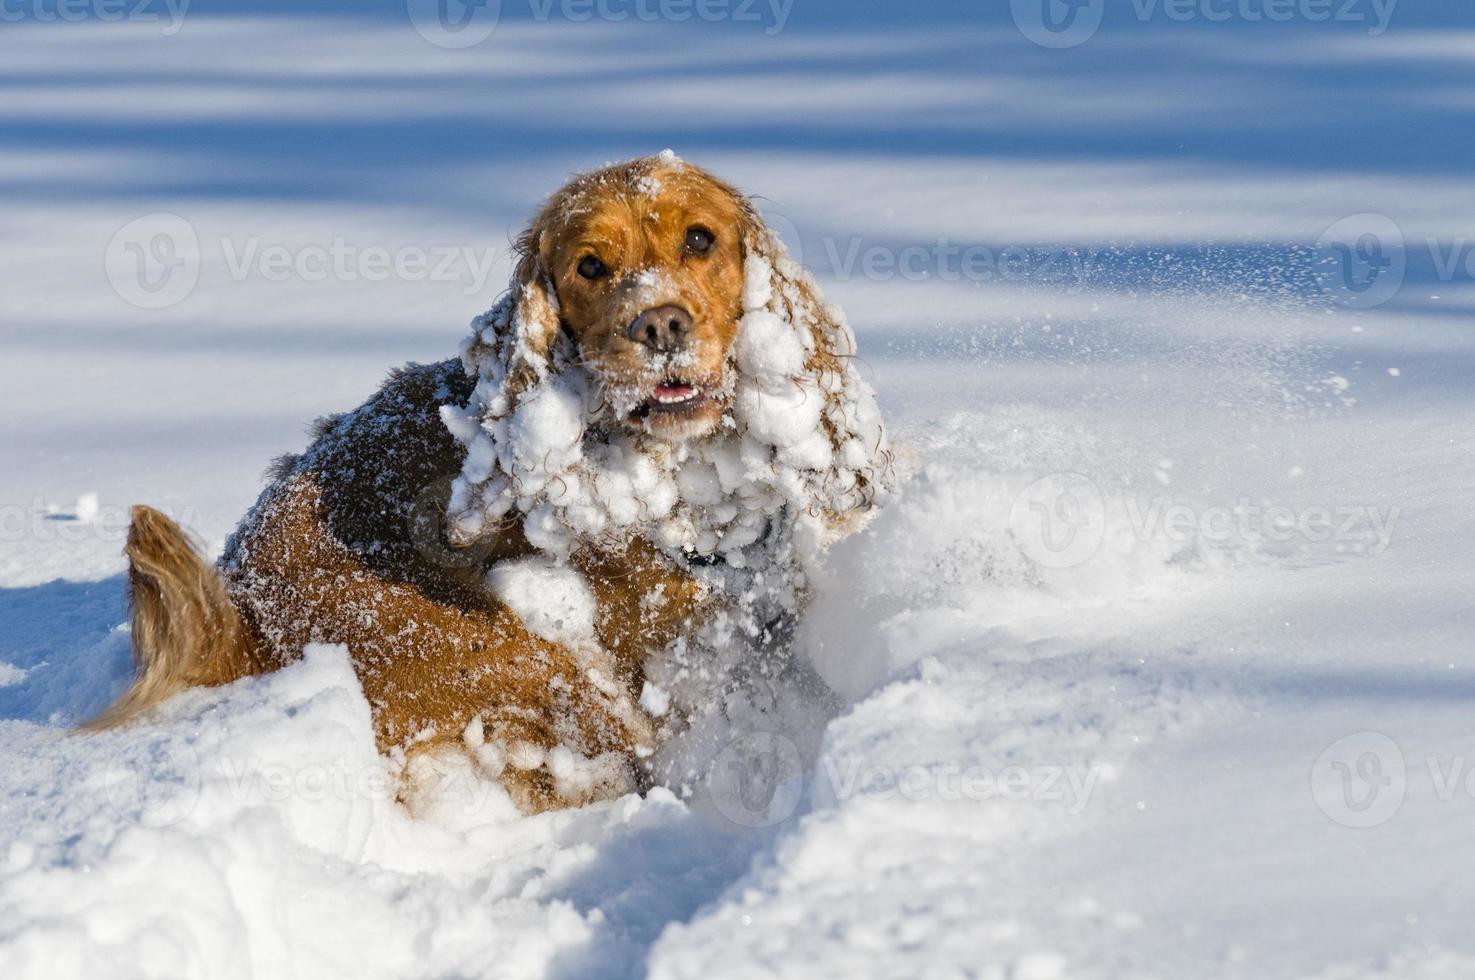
(1157, 665)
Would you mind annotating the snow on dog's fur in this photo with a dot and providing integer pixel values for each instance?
(608, 508)
(802, 437)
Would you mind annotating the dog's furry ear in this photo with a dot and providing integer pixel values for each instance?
(533, 328)
(513, 344)
(858, 473)
(513, 349)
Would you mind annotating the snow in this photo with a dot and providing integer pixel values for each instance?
(86, 508)
(553, 601)
(162, 853)
(1122, 751)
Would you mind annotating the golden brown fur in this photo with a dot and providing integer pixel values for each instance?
(186, 630)
(348, 543)
(593, 217)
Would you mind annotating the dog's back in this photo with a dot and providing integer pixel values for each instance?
(346, 545)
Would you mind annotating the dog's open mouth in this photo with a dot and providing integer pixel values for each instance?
(673, 396)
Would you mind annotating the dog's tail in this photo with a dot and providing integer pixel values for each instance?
(186, 630)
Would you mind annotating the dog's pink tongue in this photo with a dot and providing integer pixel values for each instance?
(669, 392)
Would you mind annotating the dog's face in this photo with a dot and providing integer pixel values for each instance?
(647, 267)
(636, 277)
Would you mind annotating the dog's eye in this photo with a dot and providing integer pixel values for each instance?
(591, 268)
(699, 240)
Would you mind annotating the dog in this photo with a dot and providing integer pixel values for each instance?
(642, 450)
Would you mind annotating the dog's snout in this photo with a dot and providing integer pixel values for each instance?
(662, 328)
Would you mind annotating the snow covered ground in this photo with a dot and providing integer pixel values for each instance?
(1160, 665)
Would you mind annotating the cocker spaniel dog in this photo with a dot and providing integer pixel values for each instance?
(615, 493)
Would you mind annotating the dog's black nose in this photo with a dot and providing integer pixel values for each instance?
(662, 328)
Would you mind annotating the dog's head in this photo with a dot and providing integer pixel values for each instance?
(658, 345)
(641, 267)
